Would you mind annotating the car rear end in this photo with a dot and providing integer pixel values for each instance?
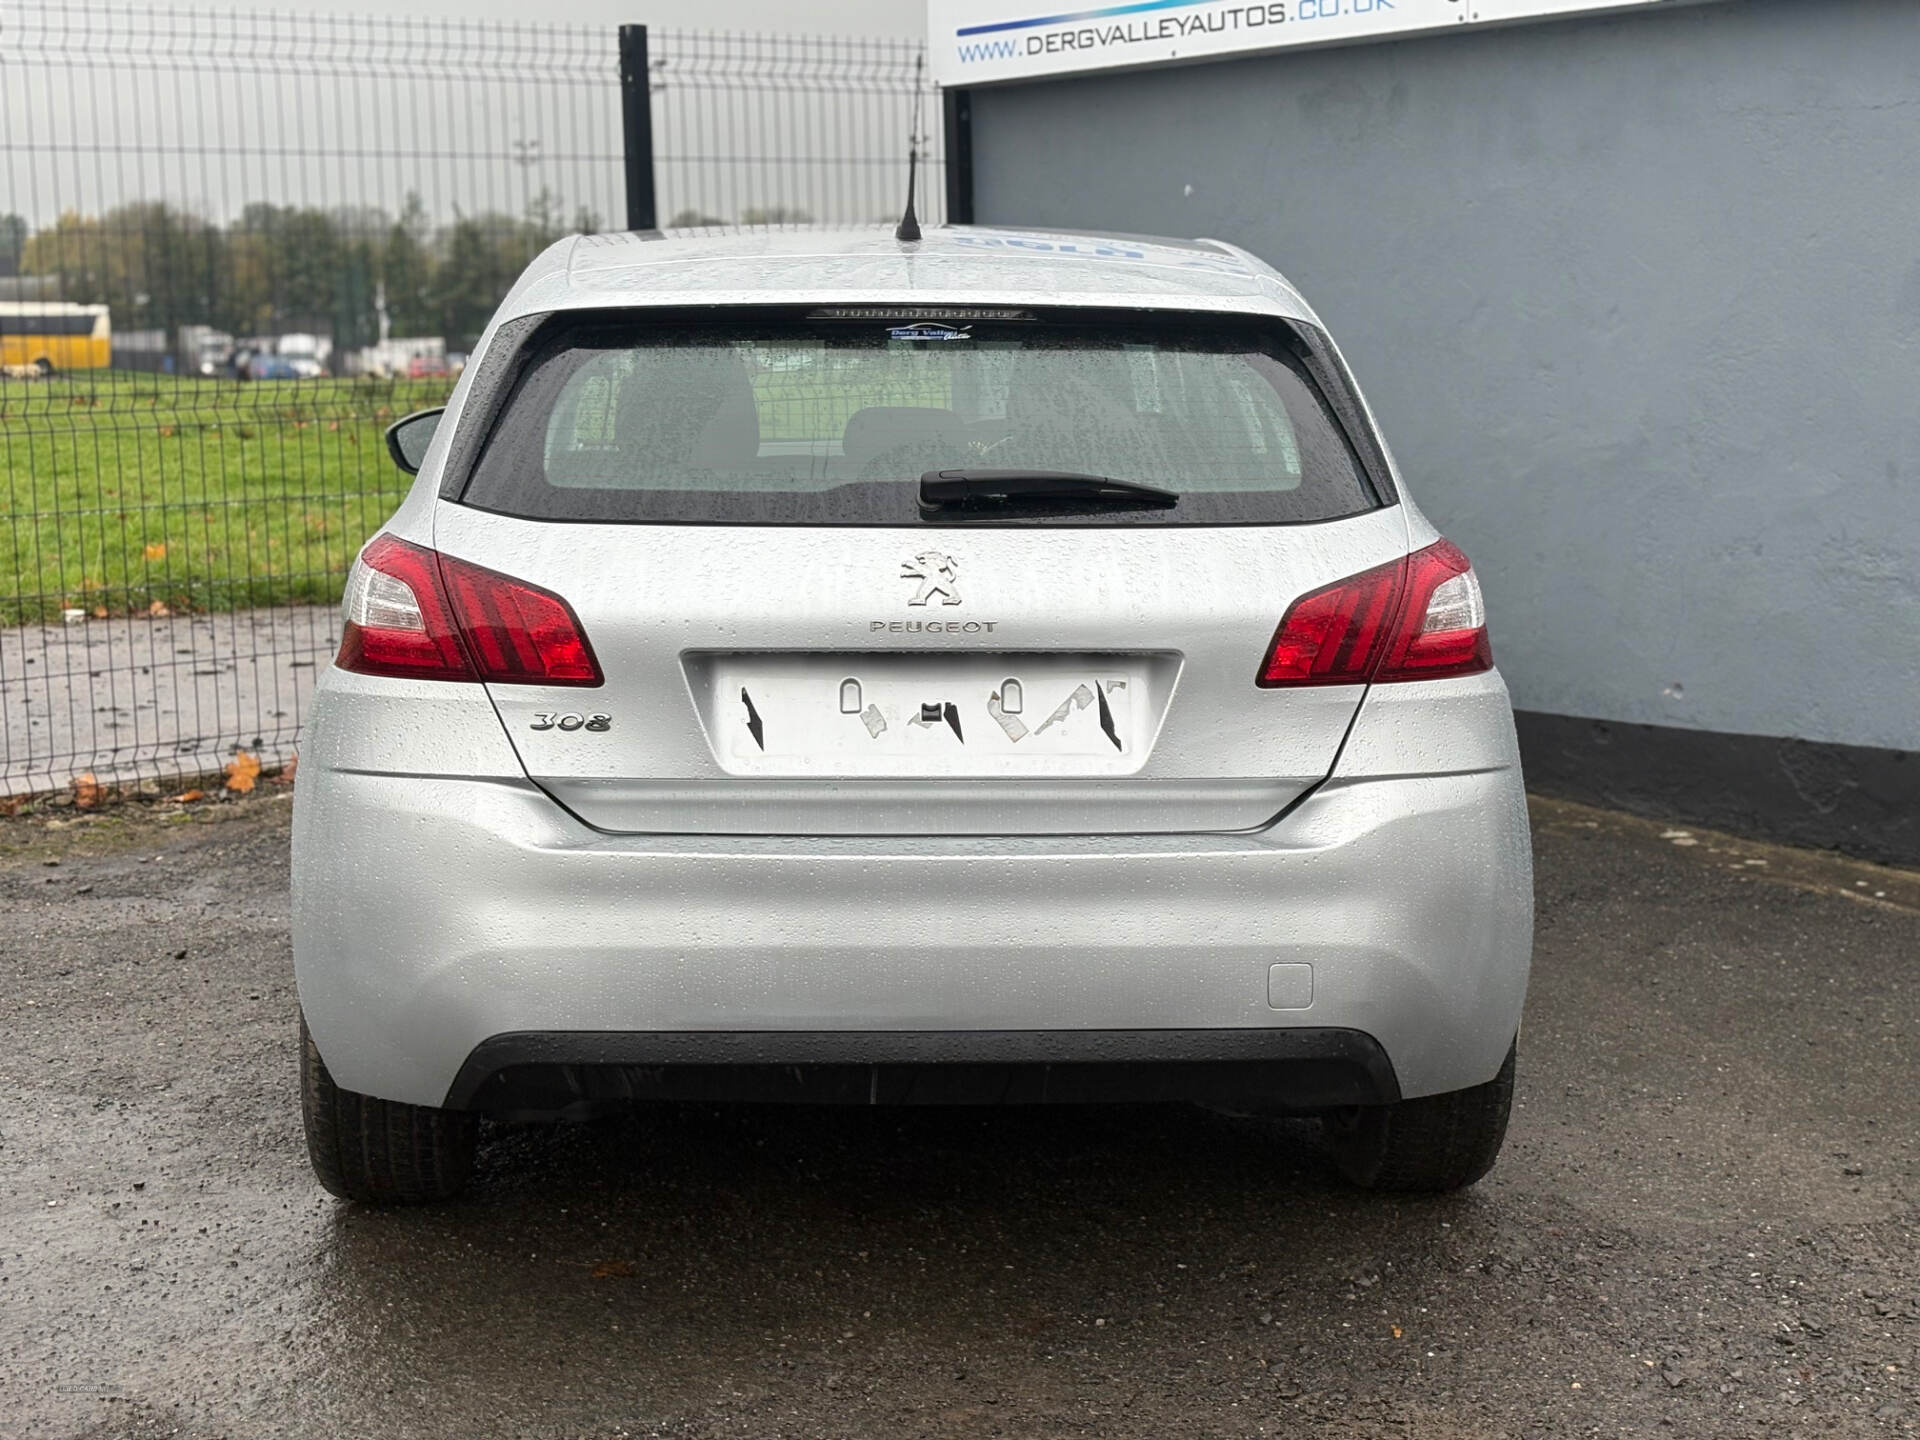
(690, 739)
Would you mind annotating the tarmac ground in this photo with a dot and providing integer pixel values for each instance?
(1704, 1222)
(131, 698)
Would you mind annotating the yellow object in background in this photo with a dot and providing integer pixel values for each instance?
(52, 335)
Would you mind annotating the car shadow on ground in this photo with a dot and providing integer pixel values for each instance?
(684, 1248)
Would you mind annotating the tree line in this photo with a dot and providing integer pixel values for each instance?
(284, 268)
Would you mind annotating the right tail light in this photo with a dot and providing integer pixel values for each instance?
(1417, 618)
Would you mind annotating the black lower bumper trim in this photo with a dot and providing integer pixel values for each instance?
(577, 1073)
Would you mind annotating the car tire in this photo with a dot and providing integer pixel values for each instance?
(1428, 1145)
(380, 1152)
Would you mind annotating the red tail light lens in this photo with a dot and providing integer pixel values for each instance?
(397, 620)
(413, 612)
(1336, 635)
(1418, 618)
(1443, 621)
(517, 634)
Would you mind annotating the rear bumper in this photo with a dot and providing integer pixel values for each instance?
(433, 916)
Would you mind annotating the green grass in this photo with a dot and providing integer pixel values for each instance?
(119, 492)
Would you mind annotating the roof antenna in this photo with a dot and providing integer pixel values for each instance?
(909, 226)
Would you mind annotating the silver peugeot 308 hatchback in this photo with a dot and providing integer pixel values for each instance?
(999, 667)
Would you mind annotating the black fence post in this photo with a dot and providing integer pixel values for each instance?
(958, 105)
(636, 115)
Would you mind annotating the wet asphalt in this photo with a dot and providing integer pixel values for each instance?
(1704, 1223)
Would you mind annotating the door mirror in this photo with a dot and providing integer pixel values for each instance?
(410, 435)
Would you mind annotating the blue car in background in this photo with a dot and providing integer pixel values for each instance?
(271, 367)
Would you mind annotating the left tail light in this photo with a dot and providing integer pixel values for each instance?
(414, 612)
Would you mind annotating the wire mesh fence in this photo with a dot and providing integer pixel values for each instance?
(811, 129)
(234, 247)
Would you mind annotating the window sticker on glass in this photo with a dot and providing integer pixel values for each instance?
(927, 331)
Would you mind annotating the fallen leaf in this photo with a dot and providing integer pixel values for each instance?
(11, 805)
(187, 797)
(613, 1269)
(242, 771)
(1396, 1332)
(158, 609)
(88, 792)
(285, 777)
(157, 550)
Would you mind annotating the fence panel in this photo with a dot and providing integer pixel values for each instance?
(787, 130)
(233, 247)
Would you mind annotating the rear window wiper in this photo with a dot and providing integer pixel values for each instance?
(963, 489)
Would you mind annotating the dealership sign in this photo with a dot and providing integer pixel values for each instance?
(976, 42)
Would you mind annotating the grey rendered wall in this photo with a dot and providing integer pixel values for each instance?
(1637, 301)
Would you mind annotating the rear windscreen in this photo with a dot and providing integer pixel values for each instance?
(792, 420)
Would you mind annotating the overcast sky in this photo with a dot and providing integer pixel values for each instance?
(838, 17)
(108, 104)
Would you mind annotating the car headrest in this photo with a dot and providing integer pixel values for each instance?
(689, 408)
(879, 428)
(1045, 391)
